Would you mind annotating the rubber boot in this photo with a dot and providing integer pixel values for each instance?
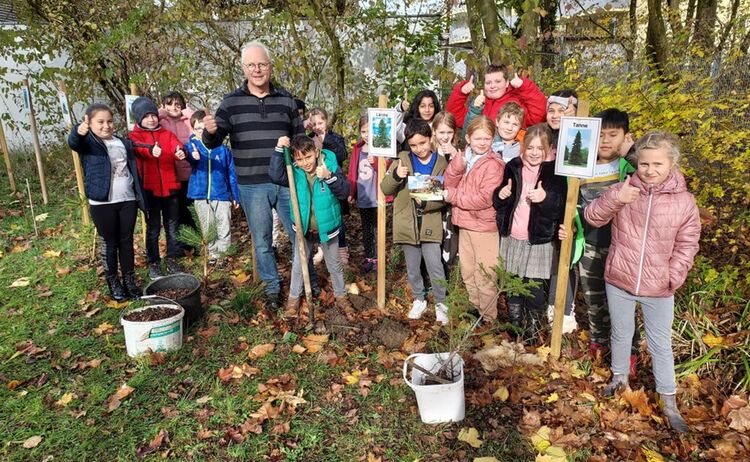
(673, 414)
(115, 288)
(619, 381)
(534, 326)
(131, 287)
(515, 316)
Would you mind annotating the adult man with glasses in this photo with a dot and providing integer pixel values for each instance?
(255, 116)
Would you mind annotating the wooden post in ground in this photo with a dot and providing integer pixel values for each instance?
(382, 103)
(35, 139)
(134, 91)
(77, 164)
(6, 156)
(563, 267)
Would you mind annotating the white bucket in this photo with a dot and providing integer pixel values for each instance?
(161, 335)
(440, 402)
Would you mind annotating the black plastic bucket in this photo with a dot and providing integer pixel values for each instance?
(190, 302)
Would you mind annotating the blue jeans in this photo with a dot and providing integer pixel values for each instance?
(257, 200)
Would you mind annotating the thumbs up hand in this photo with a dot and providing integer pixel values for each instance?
(179, 153)
(537, 194)
(506, 191)
(468, 87)
(196, 154)
(479, 100)
(628, 194)
(405, 102)
(322, 172)
(83, 128)
(402, 171)
(156, 150)
(516, 81)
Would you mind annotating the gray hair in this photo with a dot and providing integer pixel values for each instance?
(659, 140)
(256, 44)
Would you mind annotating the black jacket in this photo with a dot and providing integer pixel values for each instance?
(545, 217)
(97, 170)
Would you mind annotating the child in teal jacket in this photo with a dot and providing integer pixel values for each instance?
(320, 185)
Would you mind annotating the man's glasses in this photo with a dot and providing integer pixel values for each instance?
(260, 66)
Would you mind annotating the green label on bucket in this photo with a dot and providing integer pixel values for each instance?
(163, 331)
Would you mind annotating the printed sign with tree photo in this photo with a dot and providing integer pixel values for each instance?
(577, 146)
(382, 132)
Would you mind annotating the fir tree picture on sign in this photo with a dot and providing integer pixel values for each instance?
(578, 143)
(382, 127)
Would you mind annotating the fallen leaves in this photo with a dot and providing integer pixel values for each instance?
(234, 372)
(20, 282)
(161, 438)
(712, 341)
(66, 399)
(506, 354)
(470, 436)
(314, 343)
(739, 419)
(260, 351)
(51, 253)
(104, 328)
(114, 401)
(638, 400)
(32, 442)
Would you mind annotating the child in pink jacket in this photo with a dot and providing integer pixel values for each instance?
(470, 179)
(655, 233)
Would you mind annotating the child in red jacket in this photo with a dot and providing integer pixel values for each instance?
(655, 234)
(156, 149)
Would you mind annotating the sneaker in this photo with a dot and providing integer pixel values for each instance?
(418, 308)
(154, 271)
(318, 257)
(550, 313)
(292, 307)
(272, 302)
(569, 324)
(441, 313)
(173, 266)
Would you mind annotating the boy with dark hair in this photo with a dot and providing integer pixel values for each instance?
(592, 243)
(320, 185)
(418, 224)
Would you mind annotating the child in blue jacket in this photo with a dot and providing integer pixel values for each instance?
(320, 185)
(212, 187)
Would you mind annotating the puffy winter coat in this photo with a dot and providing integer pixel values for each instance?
(545, 216)
(654, 239)
(471, 193)
(325, 196)
(97, 169)
(528, 95)
(406, 211)
(157, 173)
(213, 176)
(182, 130)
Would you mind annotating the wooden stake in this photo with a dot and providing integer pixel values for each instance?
(37, 148)
(563, 267)
(299, 234)
(134, 91)
(6, 155)
(382, 103)
(31, 206)
(77, 166)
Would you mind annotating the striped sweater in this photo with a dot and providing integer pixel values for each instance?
(254, 126)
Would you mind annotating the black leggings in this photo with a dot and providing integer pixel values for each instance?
(115, 224)
(164, 209)
(536, 303)
(369, 217)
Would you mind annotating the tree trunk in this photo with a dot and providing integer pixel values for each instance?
(530, 28)
(673, 16)
(690, 14)
(476, 31)
(488, 11)
(337, 54)
(657, 49)
(728, 29)
(548, 24)
(633, 23)
(705, 22)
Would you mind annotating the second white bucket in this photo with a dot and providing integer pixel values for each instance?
(161, 335)
(437, 403)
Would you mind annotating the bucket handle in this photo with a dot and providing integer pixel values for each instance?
(150, 297)
(427, 373)
(410, 360)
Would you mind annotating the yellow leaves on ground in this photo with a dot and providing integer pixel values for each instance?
(552, 398)
(501, 393)
(299, 349)
(237, 372)
(352, 288)
(470, 436)
(66, 399)
(712, 341)
(104, 328)
(51, 253)
(239, 277)
(543, 352)
(485, 459)
(117, 305)
(114, 401)
(652, 455)
(21, 282)
(588, 397)
(353, 377)
(546, 452)
(259, 351)
(41, 217)
(32, 442)
(314, 343)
